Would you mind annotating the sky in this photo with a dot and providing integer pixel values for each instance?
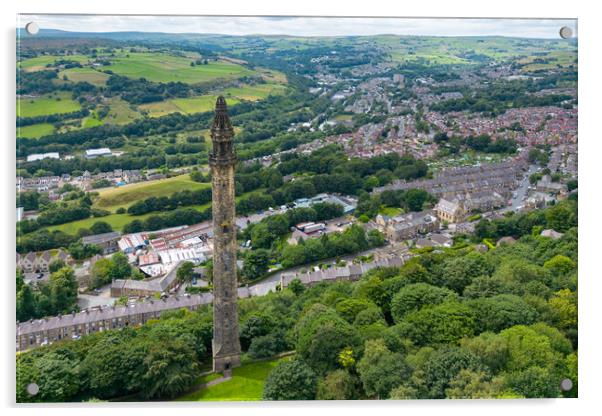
(303, 26)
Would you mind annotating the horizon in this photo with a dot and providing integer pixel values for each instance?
(305, 27)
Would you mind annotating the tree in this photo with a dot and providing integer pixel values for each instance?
(563, 305)
(560, 265)
(528, 348)
(337, 385)
(440, 324)
(414, 296)
(256, 263)
(296, 287)
(255, 325)
(502, 311)
(492, 349)
(26, 304)
(80, 251)
(534, 382)
(458, 272)
(290, 380)
(469, 384)
(261, 236)
(321, 335)
(114, 365)
(56, 378)
(100, 273)
(19, 282)
(56, 265)
(444, 365)
(375, 238)
(380, 370)
(267, 345)
(101, 227)
(561, 217)
(349, 308)
(415, 199)
(170, 369)
(185, 272)
(63, 290)
(120, 267)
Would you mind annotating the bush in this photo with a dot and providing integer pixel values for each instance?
(267, 345)
(290, 380)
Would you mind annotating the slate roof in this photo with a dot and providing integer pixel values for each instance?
(111, 312)
(101, 238)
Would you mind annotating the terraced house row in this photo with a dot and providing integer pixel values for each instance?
(499, 177)
(37, 332)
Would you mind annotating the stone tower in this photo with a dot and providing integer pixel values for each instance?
(226, 344)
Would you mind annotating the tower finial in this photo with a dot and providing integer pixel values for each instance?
(221, 121)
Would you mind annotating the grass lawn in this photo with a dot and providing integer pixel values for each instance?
(35, 130)
(246, 384)
(390, 211)
(50, 104)
(161, 67)
(124, 196)
(87, 74)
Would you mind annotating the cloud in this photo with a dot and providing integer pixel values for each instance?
(304, 26)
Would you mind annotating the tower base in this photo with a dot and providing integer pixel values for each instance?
(225, 363)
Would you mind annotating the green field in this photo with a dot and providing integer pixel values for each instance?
(255, 92)
(39, 62)
(124, 196)
(207, 102)
(46, 105)
(116, 221)
(184, 105)
(91, 121)
(467, 50)
(161, 67)
(35, 130)
(246, 384)
(344, 117)
(85, 75)
(120, 112)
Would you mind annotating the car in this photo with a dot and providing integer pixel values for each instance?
(40, 275)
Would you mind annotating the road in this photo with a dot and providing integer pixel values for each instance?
(261, 288)
(521, 192)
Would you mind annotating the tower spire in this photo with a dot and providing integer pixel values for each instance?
(221, 120)
(221, 136)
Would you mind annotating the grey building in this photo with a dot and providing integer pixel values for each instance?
(107, 241)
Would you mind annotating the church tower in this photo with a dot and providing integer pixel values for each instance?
(222, 159)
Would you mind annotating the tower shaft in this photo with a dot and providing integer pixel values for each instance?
(222, 159)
